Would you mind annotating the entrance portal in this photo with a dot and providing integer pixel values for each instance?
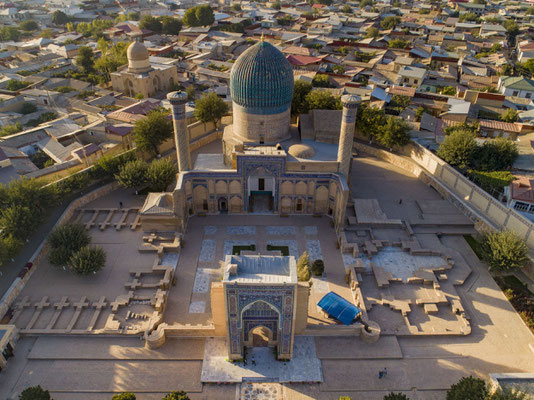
(260, 336)
(223, 205)
(261, 202)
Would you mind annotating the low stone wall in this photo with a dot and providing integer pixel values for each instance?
(484, 210)
(20, 282)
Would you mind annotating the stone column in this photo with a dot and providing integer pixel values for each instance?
(181, 136)
(346, 136)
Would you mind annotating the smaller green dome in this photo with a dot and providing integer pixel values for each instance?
(261, 80)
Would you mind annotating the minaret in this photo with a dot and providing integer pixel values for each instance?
(181, 139)
(346, 135)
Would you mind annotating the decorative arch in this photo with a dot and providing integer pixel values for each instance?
(285, 205)
(235, 187)
(286, 187)
(321, 199)
(301, 188)
(236, 204)
(200, 198)
(221, 187)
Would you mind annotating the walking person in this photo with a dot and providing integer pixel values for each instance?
(382, 373)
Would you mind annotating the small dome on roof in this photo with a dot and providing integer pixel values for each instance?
(137, 52)
(301, 151)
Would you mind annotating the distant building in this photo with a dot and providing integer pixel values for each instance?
(516, 86)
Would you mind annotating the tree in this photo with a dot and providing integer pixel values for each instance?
(511, 27)
(161, 173)
(395, 396)
(46, 33)
(170, 25)
(9, 247)
(199, 16)
(66, 240)
(504, 250)
(11, 129)
(181, 395)
(150, 132)
(510, 115)
(390, 22)
(124, 396)
(9, 33)
(346, 9)
(469, 17)
(372, 32)
(133, 16)
(29, 25)
(448, 90)
(494, 155)
(468, 388)
(394, 133)
(277, 6)
(365, 3)
(322, 100)
(369, 121)
(398, 44)
(210, 108)
(17, 220)
(88, 260)
(86, 59)
(15, 85)
(508, 394)
(317, 267)
(457, 148)
(151, 23)
(322, 80)
(303, 267)
(299, 105)
(530, 11)
(132, 174)
(236, 7)
(59, 18)
(35, 393)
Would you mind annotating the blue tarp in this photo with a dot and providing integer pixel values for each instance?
(339, 308)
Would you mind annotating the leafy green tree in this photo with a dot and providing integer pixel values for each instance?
(199, 16)
(46, 33)
(469, 17)
(398, 44)
(60, 18)
(504, 250)
(365, 3)
(394, 133)
(396, 396)
(457, 149)
(299, 105)
(66, 240)
(508, 394)
(346, 9)
(369, 121)
(9, 247)
(210, 108)
(133, 16)
(151, 23)
(132, 174)
(468, 388)
(190, 17)
(372, 32)
(511, 27)
(170, 25)
(448, 90)
(322, 81)
(29, 25)
(419, 113)
(277, 6)
(35, 393)
(9, 33)
(236, 7)
(530, 11)
(390, 22)
(11, 129)
(494, 155)
(86, 59)
(161, 173)
(17, 220)
(493, 181)
(510, 115)
(303, 267)
(181, 395)
(88, 260)
(150, 132)
(322, 100)
(124, 396)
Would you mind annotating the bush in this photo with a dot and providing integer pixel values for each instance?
(132, 174)
(15, 85)
(508, 394)
(317, 267)
(65, 241)
(395, 396)
(303, 267)
(28, 108)
(468, 388)
(494, 181)
(181, 395)
(88, 260)
(35, 393)
(504, 250)
(494, 155)
(124, 396)
(457, 149)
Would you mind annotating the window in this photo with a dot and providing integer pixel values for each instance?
(299, 205)
(528, 95)
(515, 93)
(262, 137)
(415, 81)
(261, 184)
(205, 205)
(520, 206)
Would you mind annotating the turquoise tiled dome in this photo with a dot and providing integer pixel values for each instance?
(261, 80)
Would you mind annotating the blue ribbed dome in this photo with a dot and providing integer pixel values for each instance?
(261, 80)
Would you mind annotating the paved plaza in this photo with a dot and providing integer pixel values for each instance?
(424, 350)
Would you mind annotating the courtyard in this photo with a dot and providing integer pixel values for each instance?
(421, 365)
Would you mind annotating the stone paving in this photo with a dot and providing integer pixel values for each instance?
(313, 247)
(261, 363)
(281, 230)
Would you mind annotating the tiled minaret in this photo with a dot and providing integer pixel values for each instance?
(346, 136)
(181, 139)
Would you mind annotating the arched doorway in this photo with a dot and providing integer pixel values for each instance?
(261, 190)
(260, 336)
(223, 205)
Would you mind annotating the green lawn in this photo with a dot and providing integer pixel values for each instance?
(283, 249)
(236, 250)
(476, 246)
